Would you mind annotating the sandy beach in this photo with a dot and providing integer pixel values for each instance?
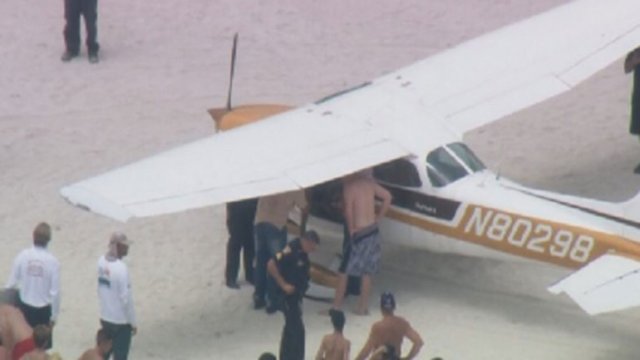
(164, 63)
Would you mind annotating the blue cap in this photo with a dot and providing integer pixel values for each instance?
(387, 301)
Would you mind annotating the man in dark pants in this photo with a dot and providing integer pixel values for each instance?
(290, 270)
(240, 215)
(72, 11)
(632, 64)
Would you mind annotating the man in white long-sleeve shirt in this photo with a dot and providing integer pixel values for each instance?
(36, 274)
(117, 313)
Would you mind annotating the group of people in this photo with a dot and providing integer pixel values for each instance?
(384, 341)
(280, 272)
(27, 319)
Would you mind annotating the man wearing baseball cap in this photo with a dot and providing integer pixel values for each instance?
(117, 314)
(390, 332)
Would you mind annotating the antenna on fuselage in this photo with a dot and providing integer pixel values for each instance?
(233, 68)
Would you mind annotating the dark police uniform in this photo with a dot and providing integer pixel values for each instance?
(293, 265)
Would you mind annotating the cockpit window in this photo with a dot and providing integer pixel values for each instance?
(398, 172)
(467, 156)
(449, 163)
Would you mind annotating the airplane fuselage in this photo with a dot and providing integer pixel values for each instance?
(496, 218)
(478, 214)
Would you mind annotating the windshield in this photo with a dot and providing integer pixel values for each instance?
(467, 156)
(450, 163)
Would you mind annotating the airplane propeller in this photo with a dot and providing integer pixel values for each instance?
(233, 67)
(218, 113)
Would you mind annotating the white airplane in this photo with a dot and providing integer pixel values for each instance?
(408, 125)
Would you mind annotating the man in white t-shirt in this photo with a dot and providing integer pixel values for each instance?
(117, 314)
(36, 274)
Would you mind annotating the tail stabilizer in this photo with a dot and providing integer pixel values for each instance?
(609, 283)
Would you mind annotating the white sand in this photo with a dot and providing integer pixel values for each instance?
(165, 62)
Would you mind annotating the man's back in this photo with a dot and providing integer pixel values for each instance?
(13, 326)
(359, 202)
(275, 209)
(359, 195)
(391, 330)
(334, 347)
(36, 273)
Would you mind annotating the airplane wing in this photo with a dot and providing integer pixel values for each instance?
(407, 112)
(512, 68)
(609, 283)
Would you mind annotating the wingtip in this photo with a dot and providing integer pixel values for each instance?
(88, 201)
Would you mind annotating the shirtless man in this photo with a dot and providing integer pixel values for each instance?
(360, 192)
(3, 352)
(334, 346)
(41, 336)
(15, 333)
(390, 332)
(103, 346)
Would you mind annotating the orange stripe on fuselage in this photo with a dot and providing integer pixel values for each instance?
(533, 238)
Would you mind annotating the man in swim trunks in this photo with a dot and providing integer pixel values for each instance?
(41, 336)
(3, 352)
(360, 193)
(15, 333)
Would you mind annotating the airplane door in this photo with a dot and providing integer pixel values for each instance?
(401, 178)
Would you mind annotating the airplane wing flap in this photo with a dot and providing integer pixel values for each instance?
(504, 98)
(609, 283)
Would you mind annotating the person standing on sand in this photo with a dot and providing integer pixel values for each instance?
(240, 216)
(103, 346)
(36, 273)
(270, 237)
(334, 346)
(73, 9)
(632, 64)
(41, 335)
(290, 270)
(117, 314)
(15, 333)
(360, 192)
(390, 332)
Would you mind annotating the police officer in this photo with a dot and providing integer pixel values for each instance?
(290, 270)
